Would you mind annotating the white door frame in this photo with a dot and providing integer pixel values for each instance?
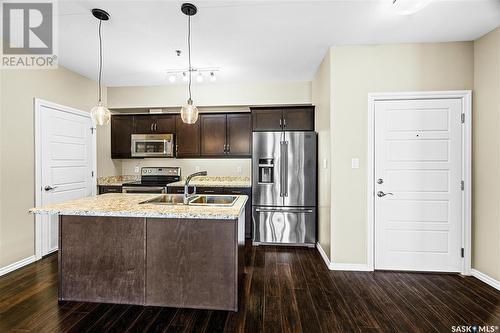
(38, 103)
(466, 97)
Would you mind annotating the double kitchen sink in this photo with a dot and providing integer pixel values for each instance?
(196, 200)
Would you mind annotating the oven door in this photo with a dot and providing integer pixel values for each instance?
(152, 145)
(144, 189)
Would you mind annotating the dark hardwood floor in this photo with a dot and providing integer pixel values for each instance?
(285, 290)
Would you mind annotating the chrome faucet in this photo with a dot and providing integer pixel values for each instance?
(188, 196)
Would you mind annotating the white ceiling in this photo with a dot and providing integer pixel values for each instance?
(251, 41)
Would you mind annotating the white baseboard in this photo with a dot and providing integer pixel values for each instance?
(350, 267)
(333, 266)
(323, 255)
(16, 265)
(486, 279)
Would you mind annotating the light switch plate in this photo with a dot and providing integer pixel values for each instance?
(355, 163)
(136, 169)
(325, 163)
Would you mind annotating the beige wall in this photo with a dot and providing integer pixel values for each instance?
(208, 95)
(321, 97)
(486, 156)
(211, 95)
(105, 165)
(357, 71)
(18, 90)
(214, 167)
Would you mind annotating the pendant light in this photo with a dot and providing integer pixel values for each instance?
(99, 113)
(189, 112)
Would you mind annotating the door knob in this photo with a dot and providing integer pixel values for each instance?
(49, 188)
(382, 194)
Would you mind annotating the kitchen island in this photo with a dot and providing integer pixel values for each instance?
(114, 248)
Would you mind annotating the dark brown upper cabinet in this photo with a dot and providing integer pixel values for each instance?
(218, 135)
(292, 118)
(239, 134)
(298, 119)
(154, 124)
(213, 134)
(121, 130)
(226, 135)
(267, 119)
(187, 138)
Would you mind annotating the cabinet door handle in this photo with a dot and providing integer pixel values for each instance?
(284, 122)
(176, 149)
(151, 127)
(156, 127)
(281, 123)
(224, 148)
(228, 148)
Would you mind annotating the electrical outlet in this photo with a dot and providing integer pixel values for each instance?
(355, 163)
(196, 169)
(136, 169)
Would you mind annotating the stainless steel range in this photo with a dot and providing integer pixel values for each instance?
(153, 180)
(284, 188)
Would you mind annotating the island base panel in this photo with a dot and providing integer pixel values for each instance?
(188, 263)
(102, 259)
(192, 263)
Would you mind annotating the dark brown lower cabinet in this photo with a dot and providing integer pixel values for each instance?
(103, 189)
(190, 263)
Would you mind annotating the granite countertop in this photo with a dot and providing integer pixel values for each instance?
(216, 181)
(127, 205)
(116, 180)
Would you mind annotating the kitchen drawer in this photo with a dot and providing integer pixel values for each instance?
(210, 190)
(237, 190)
(103, 189)
(175, 189)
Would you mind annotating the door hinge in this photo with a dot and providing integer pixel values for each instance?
(462, 185)
(462, 118)
(462, 252)
(92, 173)
(92, 130)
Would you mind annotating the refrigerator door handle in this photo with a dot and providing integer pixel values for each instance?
(285, 170)
(282, 159)
(284, 210)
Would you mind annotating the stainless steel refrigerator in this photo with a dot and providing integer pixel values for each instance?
(284, 188)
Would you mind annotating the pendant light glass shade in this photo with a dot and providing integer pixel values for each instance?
(189, 112)
(100, 114)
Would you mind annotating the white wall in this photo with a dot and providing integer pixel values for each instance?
(486, 156)
(357, 71)
(321, 96)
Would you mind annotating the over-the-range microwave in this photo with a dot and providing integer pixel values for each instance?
(152, 145)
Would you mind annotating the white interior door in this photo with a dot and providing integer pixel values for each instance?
(66, 160)
(418, 158)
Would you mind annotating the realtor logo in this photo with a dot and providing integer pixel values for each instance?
(28, 29)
